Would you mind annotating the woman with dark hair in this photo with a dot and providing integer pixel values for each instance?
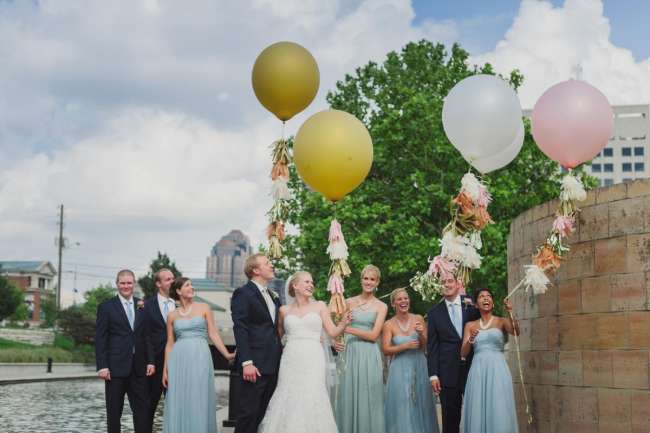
(489, 397)
(190, 403)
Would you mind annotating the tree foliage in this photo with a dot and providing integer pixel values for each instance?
(78, 323)
(395, 218)
(96, 296)
(11, 297)
(161, 261)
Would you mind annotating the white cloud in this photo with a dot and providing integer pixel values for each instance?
(140, 118)
(547, 43)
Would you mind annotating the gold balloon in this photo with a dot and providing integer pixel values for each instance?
(333, 153)
(285, 79)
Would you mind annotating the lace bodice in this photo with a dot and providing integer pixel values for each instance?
(307, 327)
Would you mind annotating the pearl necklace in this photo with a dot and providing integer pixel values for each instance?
(487, 325)
(408, 324)
(186, 313)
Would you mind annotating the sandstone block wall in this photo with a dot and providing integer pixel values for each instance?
(585, 344)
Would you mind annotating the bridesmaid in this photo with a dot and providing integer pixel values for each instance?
(489, 397)
(410, 405)
(188, 375)
(360, 394)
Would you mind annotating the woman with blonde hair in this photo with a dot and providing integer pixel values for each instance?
(301, 402)
(410, 405)
(360, 393)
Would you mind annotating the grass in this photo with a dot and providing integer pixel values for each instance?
(63, 350)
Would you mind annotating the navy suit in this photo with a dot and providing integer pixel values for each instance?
(257, 340)
(157, 329)
(443, 357)
(126, 353)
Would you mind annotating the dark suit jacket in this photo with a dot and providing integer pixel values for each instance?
(443, 354)
(115, 341)
(157, 329)
(256, 336)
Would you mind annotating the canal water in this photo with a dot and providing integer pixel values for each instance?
(75, 406)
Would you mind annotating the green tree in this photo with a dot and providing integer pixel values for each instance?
(21, 314)
(395, 218)
(48, 306)
(96, 296)
(11, 297)
(161, 261)
(78, 323)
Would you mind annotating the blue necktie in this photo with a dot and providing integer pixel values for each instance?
(456, 319)
(129, 313)
(166, 309)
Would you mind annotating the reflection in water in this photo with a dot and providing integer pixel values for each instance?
(69, 407)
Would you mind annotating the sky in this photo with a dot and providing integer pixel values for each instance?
(139, 117)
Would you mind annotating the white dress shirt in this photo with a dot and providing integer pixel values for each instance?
(171, 305)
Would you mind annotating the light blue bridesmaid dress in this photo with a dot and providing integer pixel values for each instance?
(489, 396)
(190, 403)
(360, 391)
(410, 404)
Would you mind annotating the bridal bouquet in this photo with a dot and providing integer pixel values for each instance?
(461, 240)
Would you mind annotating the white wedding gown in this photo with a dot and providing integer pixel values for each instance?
(300, 403)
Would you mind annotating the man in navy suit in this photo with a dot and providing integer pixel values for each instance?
(156, 310)
(124, 355)
(447, 371)
(254, 312)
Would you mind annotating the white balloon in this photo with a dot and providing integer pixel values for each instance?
(500, 160)
(481, 116)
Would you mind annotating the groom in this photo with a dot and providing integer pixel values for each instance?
(254, 311)
(447, 371)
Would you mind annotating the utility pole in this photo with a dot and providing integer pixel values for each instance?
(60, 243)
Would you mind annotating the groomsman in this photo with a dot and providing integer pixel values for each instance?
(124, 355)
(156, 310)
(254, 311)
(447, 371)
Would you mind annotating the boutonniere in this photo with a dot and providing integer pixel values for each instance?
(140, 304)
(467, 302)
(274, 295)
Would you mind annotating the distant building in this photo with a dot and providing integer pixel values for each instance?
(217, 296)
(225, 264)
(35, 279)
(627, 155)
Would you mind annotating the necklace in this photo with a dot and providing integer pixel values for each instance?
(189, 310)
(361, 305)
(408, 324)
(487, 325)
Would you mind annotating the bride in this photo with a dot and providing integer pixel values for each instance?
(301, 401)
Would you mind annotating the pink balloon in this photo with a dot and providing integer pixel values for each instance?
(572, 122)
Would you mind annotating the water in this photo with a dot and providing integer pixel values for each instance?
(75, 406)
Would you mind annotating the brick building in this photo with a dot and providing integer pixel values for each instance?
(35, 279)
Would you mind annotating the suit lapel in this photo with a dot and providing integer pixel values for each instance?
(156, 310)
(120, 311)
(258, 295)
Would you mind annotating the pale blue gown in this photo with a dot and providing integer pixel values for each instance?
(410, 403)
(489, 396)
(190, 403)
(360, 391)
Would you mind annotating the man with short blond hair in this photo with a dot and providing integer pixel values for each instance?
(254, 310)
(124, 355)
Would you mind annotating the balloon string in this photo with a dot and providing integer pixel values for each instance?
(282, 133)
(521, 372)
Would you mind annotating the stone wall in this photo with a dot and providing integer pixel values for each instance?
(31, 336)
(585, 344)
